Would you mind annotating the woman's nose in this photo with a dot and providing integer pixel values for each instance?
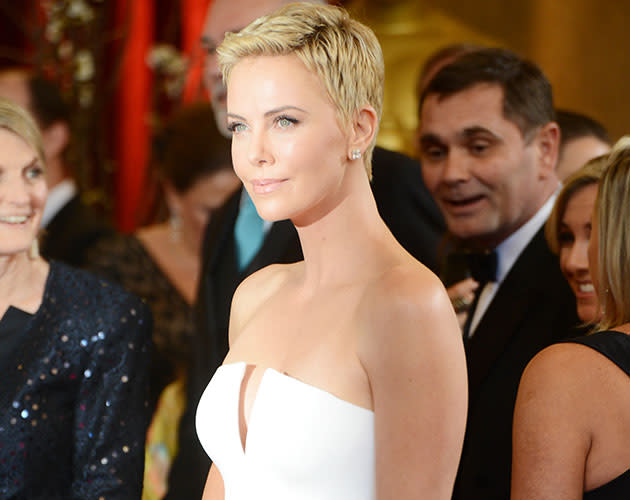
(14, 192)
(258, 153)
(577, 260)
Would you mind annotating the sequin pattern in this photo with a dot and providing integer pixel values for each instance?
(73, 394)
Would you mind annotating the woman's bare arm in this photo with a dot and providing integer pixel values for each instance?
(214, 486)
(551, 437)
(414, 357)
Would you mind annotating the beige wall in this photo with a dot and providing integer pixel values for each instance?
(580, 44)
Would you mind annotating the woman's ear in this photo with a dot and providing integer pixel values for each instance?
(364, 129)
(55, 138)
(171, 197)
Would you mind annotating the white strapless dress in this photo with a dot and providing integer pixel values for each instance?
(302, 442)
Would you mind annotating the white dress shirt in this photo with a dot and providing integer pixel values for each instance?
(507, 253)
(58, 196)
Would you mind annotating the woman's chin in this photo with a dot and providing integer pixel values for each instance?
(588, 313)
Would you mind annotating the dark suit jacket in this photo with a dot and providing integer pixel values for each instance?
(404, 204)
(533, 308)
(72, 231)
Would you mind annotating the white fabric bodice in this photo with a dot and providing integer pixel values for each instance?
(301, 443)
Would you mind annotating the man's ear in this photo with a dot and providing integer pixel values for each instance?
(364, 129)
(548, 143)
(56, 138)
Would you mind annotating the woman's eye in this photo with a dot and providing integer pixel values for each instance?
(34, 172)
(236, 127)
(565, 238)
(285, 121)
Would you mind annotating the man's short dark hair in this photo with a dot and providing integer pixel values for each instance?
(527, 99)
(47, 103)
(576, 125)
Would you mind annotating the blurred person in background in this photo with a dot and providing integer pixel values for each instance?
(568, 231)
(70, 225)
(74, 351)
(454, 270)
(572, 414)
(489, 147)
(581, 138)
(162, 262)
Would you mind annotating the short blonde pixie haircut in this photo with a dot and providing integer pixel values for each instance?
(613, 214)
(18, 121)
(589, 174)
(344, 53)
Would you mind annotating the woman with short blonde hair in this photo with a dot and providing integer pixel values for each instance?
(346, 375)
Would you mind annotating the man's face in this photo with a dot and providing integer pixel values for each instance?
(224, 16)
(577, 152)
(485, 177)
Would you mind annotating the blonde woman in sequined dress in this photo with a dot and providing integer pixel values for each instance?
(73, 352)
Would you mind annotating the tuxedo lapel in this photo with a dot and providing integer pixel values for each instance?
(515, 298)
(220, 232)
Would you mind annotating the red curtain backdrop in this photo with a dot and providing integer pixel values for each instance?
(134, 105)
(193, 16)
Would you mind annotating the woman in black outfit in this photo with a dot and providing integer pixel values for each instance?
(73, 352)
(572, 415)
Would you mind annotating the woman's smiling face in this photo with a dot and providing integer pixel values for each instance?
(574, 235)
(22, 194)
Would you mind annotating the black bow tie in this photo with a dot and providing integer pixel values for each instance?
(483, 265)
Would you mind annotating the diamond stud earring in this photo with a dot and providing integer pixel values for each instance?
(355, 154)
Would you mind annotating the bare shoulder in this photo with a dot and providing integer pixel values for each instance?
(254, 291)
(407, 300)
(558, 368)
(561, 376)
(411, 349)
(555, 415)
(560, 391)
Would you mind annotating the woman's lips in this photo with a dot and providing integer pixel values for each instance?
(263, 186)
(584, 290)
(586, 287)
(14, 219)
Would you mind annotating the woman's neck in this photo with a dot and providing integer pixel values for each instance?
(22, 282)
(342, 243)
(177, 260)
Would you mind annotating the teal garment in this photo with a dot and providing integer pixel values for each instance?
(248, 232)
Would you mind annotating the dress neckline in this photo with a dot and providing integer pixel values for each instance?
(289, 378)
(268, 372)
(14, 312)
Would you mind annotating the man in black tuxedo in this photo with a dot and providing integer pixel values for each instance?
(489, 145)
(403, 202)
(70, 226)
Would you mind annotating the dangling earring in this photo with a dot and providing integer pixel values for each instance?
(355, 154)
(33, 252)
(175, 223)
(603, 306)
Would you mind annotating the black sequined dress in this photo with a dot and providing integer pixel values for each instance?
(125, 260)
(73, 387)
